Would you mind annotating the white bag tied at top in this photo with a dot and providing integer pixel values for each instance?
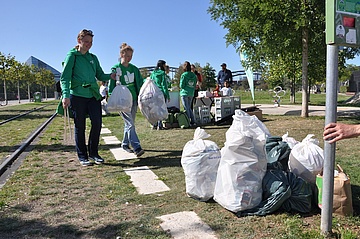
(120, 98)
(152, 102)
(243, 164)
(200, 160)
(306, 159)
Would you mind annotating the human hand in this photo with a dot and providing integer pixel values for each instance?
(113, 76)
(337, 131)
(65, 102)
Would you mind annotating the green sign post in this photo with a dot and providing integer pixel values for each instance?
(343, 22)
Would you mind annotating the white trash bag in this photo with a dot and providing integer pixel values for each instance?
(200, 160)
(120, 98)
(243, 164)
(289, 140)
(306, 159)
(152, 102)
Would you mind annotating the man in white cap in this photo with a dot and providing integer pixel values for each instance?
(224, 75)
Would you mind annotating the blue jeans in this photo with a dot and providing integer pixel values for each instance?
(186, 101)
(130, 136)
(81, 107)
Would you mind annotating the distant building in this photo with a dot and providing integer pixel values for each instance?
(38, 63)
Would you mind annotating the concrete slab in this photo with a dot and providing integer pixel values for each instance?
(121, 154)
(105, 131)
(145, 180)
(185, 225)
(111, 140)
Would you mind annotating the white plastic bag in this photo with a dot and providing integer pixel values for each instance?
(121, 97)
(200, 160)
(152, 102)
(306, 159)
(120, 100)
(243, 164)
(289, 140)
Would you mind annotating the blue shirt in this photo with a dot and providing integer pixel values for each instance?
(224, 76)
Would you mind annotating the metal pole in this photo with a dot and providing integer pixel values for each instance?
(329, 149)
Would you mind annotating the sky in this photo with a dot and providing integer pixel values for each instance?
(172, 30)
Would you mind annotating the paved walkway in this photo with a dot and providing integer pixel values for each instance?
(270, 109)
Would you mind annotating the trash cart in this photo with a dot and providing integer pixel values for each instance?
(37, 96)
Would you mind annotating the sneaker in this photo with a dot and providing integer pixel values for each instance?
(127, 149)
(97, 159)
(85, 162)
(138, 152)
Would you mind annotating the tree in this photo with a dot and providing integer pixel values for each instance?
(209, 75)
(274, 32)
(44, 78)
(6, 61)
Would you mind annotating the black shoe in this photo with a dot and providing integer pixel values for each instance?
(127, 149)
(138, 152)
(85, 162)
(97, 159)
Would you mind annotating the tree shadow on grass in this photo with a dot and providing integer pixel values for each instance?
(15, 227)
(168, 158)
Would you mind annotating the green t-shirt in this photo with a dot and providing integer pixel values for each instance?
(130, 77)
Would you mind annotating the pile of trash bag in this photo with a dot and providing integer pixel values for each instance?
(259, 174)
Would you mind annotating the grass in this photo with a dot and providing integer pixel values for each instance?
(52, 196)
(14, 132)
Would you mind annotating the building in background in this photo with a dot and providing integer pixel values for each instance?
(40, 64)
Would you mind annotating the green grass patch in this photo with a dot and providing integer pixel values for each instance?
(52, 196)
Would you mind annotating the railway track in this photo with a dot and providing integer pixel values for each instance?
(21, 115)
(9, 165)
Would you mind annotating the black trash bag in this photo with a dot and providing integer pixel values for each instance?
(173, 109)
(301, 195)
(277, 153)
(284, 191)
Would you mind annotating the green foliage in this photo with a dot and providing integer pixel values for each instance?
(209, 74)
(19, 77)
(284, 40)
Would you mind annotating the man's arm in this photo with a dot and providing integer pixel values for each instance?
(337, 131)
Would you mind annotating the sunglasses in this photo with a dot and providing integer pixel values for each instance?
(87, 32)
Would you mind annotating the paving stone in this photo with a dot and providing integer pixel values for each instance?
(111, 140)
(105, 131)
(121, 154)
(185, 225)
(145, 180)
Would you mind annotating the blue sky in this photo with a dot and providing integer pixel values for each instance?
(172, 30)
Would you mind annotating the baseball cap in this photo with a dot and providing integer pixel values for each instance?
(223, 64)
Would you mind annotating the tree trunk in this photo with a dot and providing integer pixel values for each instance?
(292, 93)
(29, 95)
(305, 50)
(18, 90)
(5, 94)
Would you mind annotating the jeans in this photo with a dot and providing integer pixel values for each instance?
(186, 101)
(130, 136)
(81, 107)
